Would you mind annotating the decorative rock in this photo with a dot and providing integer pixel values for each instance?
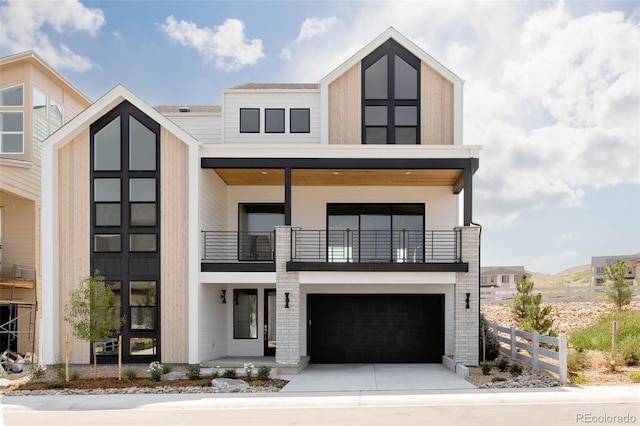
(229, 385)
(5, 382)
(174, 375)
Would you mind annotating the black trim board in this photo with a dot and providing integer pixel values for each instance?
(341, 163)
(238, 267)
(378, 267)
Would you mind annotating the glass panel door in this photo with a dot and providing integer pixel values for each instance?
(257, 223)
(269, 322)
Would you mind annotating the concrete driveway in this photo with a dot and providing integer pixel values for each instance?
(374, 377)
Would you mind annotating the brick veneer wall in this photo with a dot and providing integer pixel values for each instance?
(466, 331)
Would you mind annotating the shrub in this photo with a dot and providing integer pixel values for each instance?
(230, 373)
(491, 347)
(37, 372)
(74, 375)
(215, 374)
(55, 384)
(635, 376)
(147, 383)
(578, 379)
(264, 372)
(126, 380)
(503, 364)
(498, 379)
(204, 383)
(60, 370)
(166, 368)
(248, 370)
(617, 287)
(156, 370)
(629, 351)
(193, 371)
(515, 369)
(486, 368)
(130, 374)
(577, 360)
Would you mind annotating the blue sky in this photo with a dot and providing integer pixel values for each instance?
(552, 91)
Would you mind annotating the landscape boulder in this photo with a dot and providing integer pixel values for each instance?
(229, 385)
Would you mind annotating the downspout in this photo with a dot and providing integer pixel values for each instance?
(479, 269)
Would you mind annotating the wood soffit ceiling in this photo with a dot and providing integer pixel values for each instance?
(340, 177)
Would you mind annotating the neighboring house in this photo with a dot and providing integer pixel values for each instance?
(313, 222)
(35, 101)
(600, 263)
(504, 277)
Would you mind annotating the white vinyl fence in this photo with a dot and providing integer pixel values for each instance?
(533, 346)
(550, 294)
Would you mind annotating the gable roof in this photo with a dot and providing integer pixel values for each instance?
(106, 103)
(402, 40)
(34, 58)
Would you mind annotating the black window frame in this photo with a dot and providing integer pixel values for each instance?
(390, 48)
(266, 120)
(308, 110)
(240, 120)
(126, 266)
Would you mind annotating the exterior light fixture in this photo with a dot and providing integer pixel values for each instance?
(264, 173)
(223, 296)
(286, 300)
(467, 301)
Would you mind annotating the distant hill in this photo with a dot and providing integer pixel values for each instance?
(578, 275)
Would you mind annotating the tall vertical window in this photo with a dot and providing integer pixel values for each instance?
(125, 173)
(245, 314)
(47, 118)
(390, 100)
(11, 132)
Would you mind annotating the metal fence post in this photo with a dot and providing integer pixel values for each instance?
(535, 355)
(514, 343)
(562, 359)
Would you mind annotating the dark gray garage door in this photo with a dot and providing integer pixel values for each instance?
(405, 328)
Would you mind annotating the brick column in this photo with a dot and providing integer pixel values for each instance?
(467, 322)
(287, 319)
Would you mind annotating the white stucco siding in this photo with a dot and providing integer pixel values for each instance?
(309, 205)
(369, 288)
(286, 100)
(206, 128)
(214, 330)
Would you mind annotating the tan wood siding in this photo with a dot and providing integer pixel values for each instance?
(74, 246)
(174, 249)
(344, 108)
(18, 233)
(436, 107)
(20, 180)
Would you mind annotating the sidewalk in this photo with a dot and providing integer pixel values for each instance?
(470, 397)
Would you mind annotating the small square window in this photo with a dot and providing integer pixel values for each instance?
(12, 96)
(249, 120)
(274, 120)
(108, 214)
(143, 214)
(107, 243)
(299, 120)
(142, 243)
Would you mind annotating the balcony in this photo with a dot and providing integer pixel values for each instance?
(322, 250)
(233, 251)
(401, 250)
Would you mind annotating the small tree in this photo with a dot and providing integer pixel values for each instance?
(92, 312)
(521, 299)
(617, 288)
(526, 309)
(537, 318)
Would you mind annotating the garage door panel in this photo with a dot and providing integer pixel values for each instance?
(376, 328)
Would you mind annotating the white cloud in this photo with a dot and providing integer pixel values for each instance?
(553, 98)
(551, 261)
(224, 45)
(285, 53)
(22, 27)
(314, 27)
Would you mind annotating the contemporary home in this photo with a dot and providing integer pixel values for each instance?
(35, 101)
(504, 277)
(600, 263)
(329, 222)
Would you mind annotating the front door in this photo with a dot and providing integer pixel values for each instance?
(269, 322)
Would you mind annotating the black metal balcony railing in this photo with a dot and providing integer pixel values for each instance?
(402, 246)
(234, 246)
